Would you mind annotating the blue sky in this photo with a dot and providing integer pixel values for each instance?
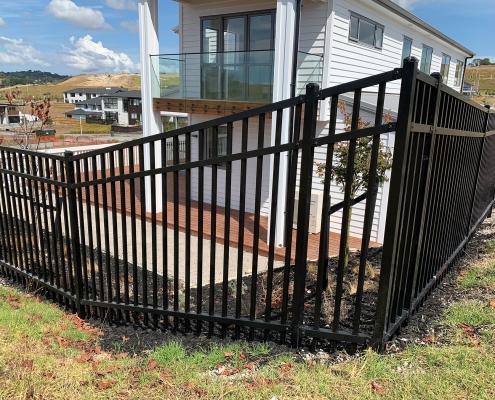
(94, 36)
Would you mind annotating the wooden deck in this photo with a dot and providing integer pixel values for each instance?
(233, 235)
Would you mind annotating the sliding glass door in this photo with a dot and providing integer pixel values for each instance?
(237, 56)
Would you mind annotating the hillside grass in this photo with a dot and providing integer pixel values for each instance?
(484, 76)
(91, 129)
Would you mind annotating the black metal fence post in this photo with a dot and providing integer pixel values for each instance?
(394, 211)
(306, 177)
(74, 232)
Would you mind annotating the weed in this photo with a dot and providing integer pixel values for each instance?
(169, 353)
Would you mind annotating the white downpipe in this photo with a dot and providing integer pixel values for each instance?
(149, 45)
(284, 44)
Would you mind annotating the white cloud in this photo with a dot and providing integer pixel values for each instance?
(89, 56)
(83, 17)
(18, 53)
(121, 4)
(3, 24)
(131, 26)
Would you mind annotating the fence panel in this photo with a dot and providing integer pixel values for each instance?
(442, 177)
(146, 231)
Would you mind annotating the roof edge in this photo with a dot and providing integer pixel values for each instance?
(396, 9)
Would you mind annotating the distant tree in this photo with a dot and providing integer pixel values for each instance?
(481, 61)
(33, 115)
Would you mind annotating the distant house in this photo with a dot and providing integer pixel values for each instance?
(81, 94)
(468, 89)
(124, 107)
(78, 113)
(9, 114)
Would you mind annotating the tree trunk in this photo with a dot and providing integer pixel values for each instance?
(347, 239)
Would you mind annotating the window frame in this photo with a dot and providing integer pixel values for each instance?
(245, 15)
(370, 21)
(206, 143)
(404, 38)
(458, 73)
(445, 76)
(431, 59)
(106, 103)
(115, 113)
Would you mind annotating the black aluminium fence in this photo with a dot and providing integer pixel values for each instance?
(118, 234)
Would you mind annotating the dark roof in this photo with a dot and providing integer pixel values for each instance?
(129, 94)
(97, 90)
(90, 102)
(79, 111)
(396, 9)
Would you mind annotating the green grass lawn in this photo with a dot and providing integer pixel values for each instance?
(44, 353)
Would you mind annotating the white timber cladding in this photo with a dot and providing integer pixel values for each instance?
(236, 168)
(324, 31)
(336, 194)
(351, 60)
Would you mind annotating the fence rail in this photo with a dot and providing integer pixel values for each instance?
(146, 232)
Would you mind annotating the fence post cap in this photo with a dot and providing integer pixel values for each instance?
(436, 75)
(411, 59)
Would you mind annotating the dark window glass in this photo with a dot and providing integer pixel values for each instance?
(111, 115)
(212, 151)
(234, 34)
(445, 67)
(365, 31)
(426, 59)
(245, 41)
(210, 29)
(406, 49)
(354, 32)
(110, 102)
(260, 32)
(458, 73)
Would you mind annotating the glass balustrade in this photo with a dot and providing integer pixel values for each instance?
(231, 76)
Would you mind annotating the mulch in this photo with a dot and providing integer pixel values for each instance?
(138, 339)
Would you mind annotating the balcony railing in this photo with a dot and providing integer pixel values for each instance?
(232, 76)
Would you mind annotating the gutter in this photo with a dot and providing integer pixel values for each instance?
(391, 6)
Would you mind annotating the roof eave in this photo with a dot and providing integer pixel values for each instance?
(396, 9)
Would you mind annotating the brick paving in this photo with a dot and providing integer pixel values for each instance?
(233, 234)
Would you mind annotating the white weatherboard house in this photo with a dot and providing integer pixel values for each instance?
(236, 54)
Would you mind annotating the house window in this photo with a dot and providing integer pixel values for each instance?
(237, 59)
(365, 31)
(216, 146)
(72, 95)
(134, 116)
(406, 49)
(169, 123)
(110, 102)
(111, 115)
(426, 59)
(444, 68)
(135, 102)
(458, 73)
